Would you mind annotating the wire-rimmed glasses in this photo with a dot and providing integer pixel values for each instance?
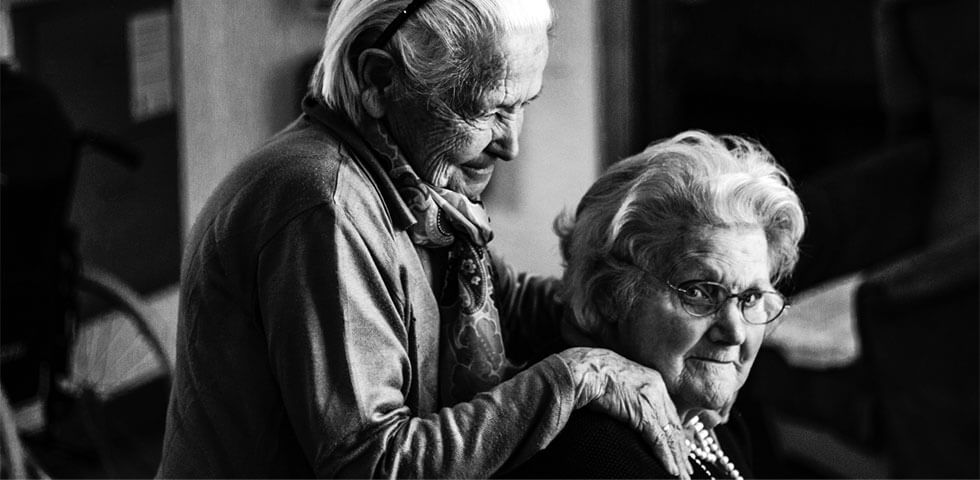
(701, 298)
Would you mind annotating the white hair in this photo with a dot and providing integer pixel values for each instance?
(641, 214)
(448, 48)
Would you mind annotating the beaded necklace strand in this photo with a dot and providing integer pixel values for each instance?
(706, 449)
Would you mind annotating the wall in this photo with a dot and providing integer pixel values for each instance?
(559, 156)
(240, 61)
(6, 35)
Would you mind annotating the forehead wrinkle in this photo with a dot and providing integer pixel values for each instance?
(499, 94)
(505, 81)
(506, 97)
(710, 261)
(521, 53)
(699, 263)
(712, 272)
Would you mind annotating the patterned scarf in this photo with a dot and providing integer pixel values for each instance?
(472, 357)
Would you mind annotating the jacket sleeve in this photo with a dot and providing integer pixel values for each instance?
(340, 344)
(531, 312)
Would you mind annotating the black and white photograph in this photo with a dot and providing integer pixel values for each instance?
(683, 239)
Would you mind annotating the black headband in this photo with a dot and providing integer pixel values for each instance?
(395, 24)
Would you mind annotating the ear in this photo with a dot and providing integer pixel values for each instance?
(375, 74)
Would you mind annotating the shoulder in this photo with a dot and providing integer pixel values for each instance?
(301, 168)
(302, 165)
(593, 445)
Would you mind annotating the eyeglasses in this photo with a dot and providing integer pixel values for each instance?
(395, 24)
(701, 298)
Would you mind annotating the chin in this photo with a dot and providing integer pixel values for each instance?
(473, 190)
(708, 397)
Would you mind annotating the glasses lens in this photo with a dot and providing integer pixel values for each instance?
(701, 298)
(762, 307)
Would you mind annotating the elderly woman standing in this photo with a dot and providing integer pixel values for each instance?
(340, 312)
(671, 260)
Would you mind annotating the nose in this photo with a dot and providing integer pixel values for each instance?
(505, 144)
(729, 326)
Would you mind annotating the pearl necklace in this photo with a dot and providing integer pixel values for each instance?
(707, 449)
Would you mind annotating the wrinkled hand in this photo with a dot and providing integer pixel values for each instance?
(632, 393)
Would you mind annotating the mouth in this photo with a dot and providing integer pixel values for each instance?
(712, 360)
(478, 168)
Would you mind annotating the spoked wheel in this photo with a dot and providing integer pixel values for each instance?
(119, 376)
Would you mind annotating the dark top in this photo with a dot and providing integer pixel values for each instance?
(593, 445)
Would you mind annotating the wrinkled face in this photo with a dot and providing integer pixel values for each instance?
(703, 360)
(460, 153)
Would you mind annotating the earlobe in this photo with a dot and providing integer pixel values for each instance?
(371, 101)
(375, 76)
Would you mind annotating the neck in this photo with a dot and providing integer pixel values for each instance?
(575, 336)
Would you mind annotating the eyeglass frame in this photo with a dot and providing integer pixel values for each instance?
(718, 305)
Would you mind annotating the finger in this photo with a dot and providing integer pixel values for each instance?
(679, 450)
(678, 444)
(683, 451)
(659, 437)
(686, 474)
(684, 455)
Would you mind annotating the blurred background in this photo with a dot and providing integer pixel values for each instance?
(120, 117)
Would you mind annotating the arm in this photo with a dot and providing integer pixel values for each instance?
(531, 312)
(342, 351)
(341, 347)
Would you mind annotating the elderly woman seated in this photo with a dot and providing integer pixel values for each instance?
(671, 261)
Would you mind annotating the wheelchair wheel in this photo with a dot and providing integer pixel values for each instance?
(119, 377)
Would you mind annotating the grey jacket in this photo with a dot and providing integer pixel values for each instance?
(308, 337)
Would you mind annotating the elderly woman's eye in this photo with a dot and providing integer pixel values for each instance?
(504, 114)
(695, 294)
(751, 298)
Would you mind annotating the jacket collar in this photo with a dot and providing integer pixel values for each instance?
(337, 123)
